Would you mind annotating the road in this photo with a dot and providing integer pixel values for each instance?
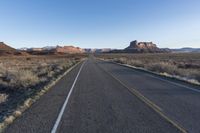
(103, 97)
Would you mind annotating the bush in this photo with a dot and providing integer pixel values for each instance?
(136, 63)
(162, 67)
(25, 78)
(25, 72)
(190, 73)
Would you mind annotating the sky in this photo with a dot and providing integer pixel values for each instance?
(100, 23)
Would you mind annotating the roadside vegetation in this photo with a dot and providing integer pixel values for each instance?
(23, 76)
(184, 66)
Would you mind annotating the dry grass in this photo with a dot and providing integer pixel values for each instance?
(22, 77)
(186, 65)
(24, 72)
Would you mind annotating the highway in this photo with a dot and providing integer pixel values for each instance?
(103, 97)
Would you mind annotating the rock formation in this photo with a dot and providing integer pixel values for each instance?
(142, 47)
(6, 50)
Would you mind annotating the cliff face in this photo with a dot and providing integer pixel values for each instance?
(142, 47)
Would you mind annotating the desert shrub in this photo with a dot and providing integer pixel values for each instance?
(190, 73)
(3, 97)
(120, 60)
(3, 71)
(136, 63)
(24, 72)
(162, 67)
(41, 71)
(24, 78)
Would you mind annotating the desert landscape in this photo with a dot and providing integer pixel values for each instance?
(100, 66)
(24, 74)
(168, 62)
(184, 66)
(28, 73)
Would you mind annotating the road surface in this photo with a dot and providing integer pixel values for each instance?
(103, 97)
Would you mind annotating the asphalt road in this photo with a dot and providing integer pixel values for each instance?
(102, 97)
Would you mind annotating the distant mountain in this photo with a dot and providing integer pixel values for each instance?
(49, 47)
(186, 50)
(96, 50)
(23, 49)
(134, 47)
(141, 47)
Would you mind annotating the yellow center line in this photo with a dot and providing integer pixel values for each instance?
(148, 102)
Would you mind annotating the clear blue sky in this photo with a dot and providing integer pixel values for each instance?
(100, 23)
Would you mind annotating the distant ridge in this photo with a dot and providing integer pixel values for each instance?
(97, 50)
(186, 50)
(6, 50)
(4, 47)
(52, 50)
(134, 47)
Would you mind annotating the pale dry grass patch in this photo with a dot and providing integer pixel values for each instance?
(3, 97)
(9, 119)
(24, 72)
(162, 67)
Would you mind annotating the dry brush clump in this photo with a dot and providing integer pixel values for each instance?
(186, 65)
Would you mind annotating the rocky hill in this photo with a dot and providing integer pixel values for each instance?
(5, 48)
(143, 47)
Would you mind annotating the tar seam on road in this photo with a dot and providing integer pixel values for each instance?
(54, 129)
(148, 102)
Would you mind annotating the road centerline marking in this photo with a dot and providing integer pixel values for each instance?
(157, 76)
(54, 129)
(153, 106)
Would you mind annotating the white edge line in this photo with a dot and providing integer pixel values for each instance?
(177, 84)
(54, 129)
(150, 75)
